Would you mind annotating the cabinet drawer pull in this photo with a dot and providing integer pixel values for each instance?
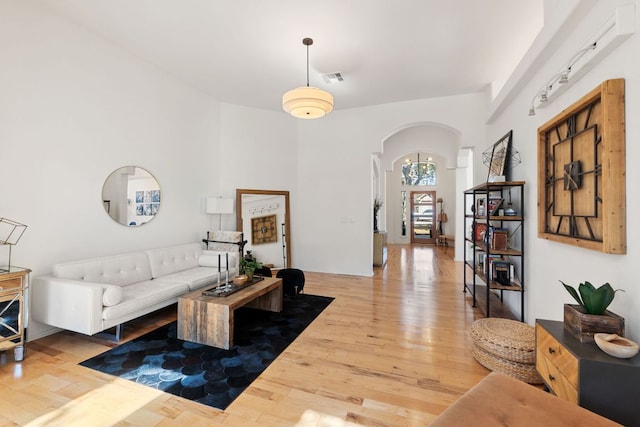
(551, 378)
(551, 350)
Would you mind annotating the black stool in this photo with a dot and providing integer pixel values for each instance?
(292, 281)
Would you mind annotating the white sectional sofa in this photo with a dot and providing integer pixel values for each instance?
(90, 296)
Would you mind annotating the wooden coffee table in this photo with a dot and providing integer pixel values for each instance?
(209, 320)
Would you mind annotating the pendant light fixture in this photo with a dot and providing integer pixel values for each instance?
(307, 102)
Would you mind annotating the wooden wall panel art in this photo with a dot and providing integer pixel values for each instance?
(263, 230)
(581, 172)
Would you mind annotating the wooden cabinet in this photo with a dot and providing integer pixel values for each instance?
(379, 249)
(13, 285)
(493, 248)
(583, 374)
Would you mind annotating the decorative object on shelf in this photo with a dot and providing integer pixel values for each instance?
(616, 346)
(591, 315)
(582, 172)
(501, 158)
(10, 234)
(307, 102)
(508, 209)
(377, 204)
(219, 206)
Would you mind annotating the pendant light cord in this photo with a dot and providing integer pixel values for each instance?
(307, 65)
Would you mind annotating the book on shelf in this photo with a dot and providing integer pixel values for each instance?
(489, 263)
(480, 231)
(501, 272)
(499, 239)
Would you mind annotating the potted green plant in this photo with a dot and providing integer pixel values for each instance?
(591, 316)
(248, 266)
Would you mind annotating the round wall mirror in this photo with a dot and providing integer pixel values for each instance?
(131, 196)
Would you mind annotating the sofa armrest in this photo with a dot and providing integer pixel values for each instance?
(68, 304)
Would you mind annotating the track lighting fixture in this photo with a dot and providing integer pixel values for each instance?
(618, 28)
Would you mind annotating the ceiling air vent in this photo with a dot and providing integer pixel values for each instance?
(332, 78)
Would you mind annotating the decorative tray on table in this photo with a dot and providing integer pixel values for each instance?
(226, 289)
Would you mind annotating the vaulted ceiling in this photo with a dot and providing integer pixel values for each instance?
(250, 52)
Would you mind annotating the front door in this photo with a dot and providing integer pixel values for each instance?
(423, 217)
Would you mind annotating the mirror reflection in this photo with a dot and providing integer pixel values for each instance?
(263, 217)
(131, 196)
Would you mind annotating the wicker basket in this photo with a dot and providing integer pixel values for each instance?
(521, 371)
(507, 339)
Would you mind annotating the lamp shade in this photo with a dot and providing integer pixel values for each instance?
(307, 102)
(219, 205)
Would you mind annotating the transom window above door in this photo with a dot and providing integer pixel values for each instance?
(419, 172)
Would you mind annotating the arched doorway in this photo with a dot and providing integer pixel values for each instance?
(426, 141)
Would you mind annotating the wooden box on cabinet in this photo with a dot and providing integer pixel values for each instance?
(583, 374)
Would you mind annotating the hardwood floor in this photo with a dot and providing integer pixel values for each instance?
(391, 350)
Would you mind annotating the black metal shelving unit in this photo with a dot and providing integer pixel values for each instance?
(478, 248)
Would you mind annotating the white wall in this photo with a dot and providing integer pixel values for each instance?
(259, 151)
(549, 262)
(73, 109)
(335, 165)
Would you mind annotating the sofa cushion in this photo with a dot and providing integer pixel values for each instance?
(144, 294)
(120, 270)
(111, 295)
(197, 277)
(173, 259)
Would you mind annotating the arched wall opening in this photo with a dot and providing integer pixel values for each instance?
(442, 144)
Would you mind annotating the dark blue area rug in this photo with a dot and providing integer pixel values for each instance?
(208, 375)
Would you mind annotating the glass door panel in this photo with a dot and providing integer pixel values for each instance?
(423, 216)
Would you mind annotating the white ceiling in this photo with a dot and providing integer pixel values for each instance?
(250, 52)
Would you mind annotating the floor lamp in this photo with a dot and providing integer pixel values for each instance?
(219, 206)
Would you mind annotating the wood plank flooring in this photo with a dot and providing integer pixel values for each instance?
(391, 350)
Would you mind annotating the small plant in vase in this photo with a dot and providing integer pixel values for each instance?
(248, 267)
(590, 316)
